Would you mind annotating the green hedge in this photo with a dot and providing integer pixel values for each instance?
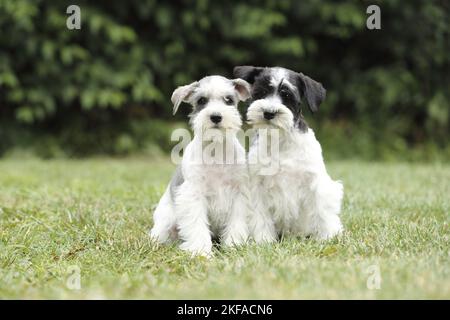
(391, 85)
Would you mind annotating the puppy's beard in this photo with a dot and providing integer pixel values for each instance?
(216, 146)
(215, 135)
(284, 119)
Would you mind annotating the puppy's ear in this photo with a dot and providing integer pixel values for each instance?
(242, 88)
(312, 90)
(182, 94)
(248, 73)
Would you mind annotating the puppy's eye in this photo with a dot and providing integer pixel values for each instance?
(229, 100)
(286, 94)
(202, 101)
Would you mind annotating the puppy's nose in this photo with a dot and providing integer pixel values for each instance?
(269, 115)
(216, 118)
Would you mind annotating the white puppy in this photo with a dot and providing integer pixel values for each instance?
(206, 196)
(299, 197)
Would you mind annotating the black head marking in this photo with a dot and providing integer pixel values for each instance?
(248, 73)
(262, 87)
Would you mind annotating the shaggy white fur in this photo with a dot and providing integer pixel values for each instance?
(206, 197)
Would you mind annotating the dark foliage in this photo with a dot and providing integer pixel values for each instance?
(387, 90)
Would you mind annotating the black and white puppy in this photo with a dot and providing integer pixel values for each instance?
(299, 198)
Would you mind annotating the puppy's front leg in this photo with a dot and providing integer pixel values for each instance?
(263, 227)
(164, 220)
(236, 231)
(260, 220)
(192, 219)
(324, 209)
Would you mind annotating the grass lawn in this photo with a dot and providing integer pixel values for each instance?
(63, 216)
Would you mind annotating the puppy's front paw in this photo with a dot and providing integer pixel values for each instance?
(157, 236)
(329, 232)
(234, 240)
(264, 237)
(196, 249)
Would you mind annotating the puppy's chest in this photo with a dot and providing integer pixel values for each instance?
(214, 178)
(221, 185)
(287, 186)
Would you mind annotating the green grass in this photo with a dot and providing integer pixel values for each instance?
(94, 214)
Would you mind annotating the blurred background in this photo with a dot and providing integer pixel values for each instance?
(105, 89)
